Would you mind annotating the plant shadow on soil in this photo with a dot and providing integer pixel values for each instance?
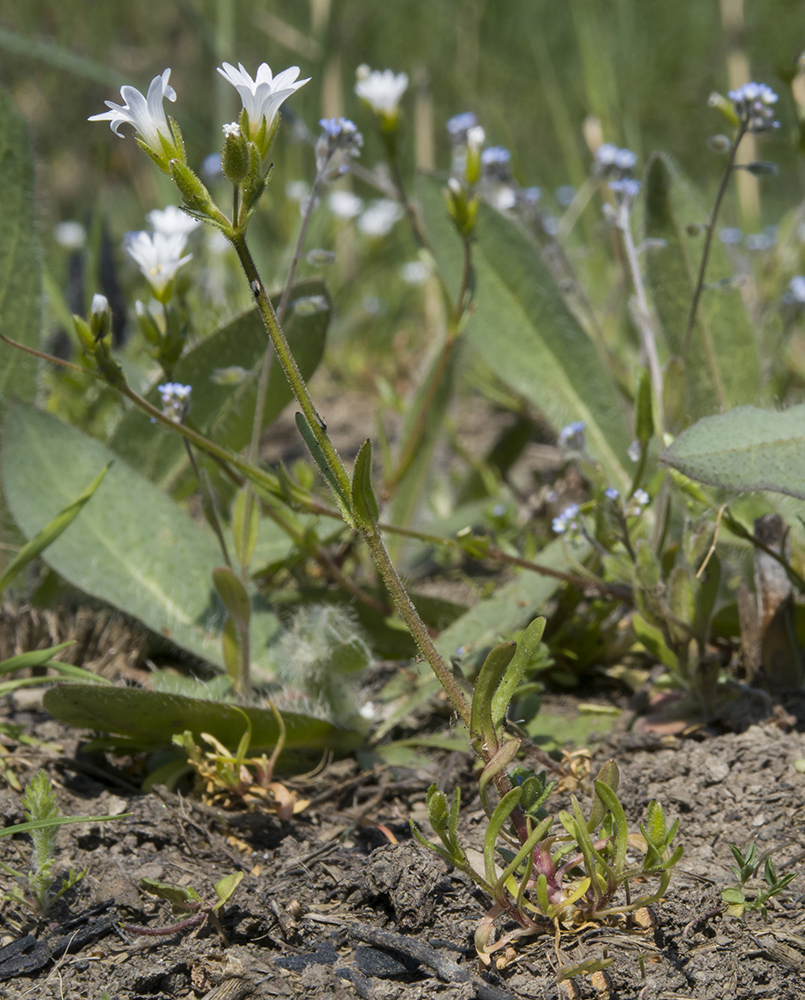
(330, 907)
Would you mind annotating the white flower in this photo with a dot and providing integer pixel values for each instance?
(263, 96)
(100, 304)
(476, 137)
(638, 501)
(415, 272)
(379, 217)
(381, 90)
(172, 221)
(158, 256)
(345, 204)
(297, 190)
(634, 451)
(146, 114)
(71, 235)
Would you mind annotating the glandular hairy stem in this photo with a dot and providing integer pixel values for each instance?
(370, 532)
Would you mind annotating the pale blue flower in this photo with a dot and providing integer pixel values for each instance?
(175, 399)
(572, 437)
(458, 126)
(754, 105)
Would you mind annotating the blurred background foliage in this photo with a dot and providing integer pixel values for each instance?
(532, 70)
(544, 79)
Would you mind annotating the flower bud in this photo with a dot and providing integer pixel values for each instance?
(235, 157)
(100, 317)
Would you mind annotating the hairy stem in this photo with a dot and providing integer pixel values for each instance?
(371, 534)
(711, 226)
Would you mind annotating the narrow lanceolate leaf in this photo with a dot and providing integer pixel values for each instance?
(221, 371)
(329, 473)
(42, 539)
(524, 331)
(746, 449)
(364, 503)
(233, 594)
(20, 292)
(132, 547)
(721, 362)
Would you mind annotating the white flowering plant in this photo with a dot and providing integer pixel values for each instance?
(633, 544)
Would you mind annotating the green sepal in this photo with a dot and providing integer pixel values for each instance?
(195, 195)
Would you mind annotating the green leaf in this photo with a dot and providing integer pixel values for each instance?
(221, 411)
(523, 330)
(489, 677)
(745, 449)
(429, 404)
(226, 886)
(245, 532)
(500, 614)
(733, 896)
(42, 539)
(364, 502)
(20, 280)
(178, 896)
(134, 548)
(526, 648)
(325, 468)
(233, 594)
(40, 824)
(153, 717)
(721, 367)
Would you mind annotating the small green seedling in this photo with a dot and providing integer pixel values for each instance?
(40, 804)
(745, 869)
(185, 900)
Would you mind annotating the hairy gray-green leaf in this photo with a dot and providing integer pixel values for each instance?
(222, 411)
(133, 547)
(721, 366)
(745, 449)
(523, 330)
(154, 716)
(20, 291)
